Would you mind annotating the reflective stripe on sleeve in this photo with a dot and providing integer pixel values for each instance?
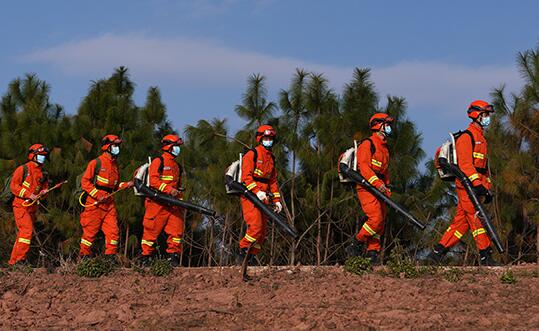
(474, 177)
(147, 242)
(251, 186)
(21, 193)
(162, 187)
(458, 234)
(372, 179)
(93, 192)
(376, 162)
(26, 184)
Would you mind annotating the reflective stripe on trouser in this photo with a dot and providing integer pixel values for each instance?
(24, 220)
(373, 228)
(157, 219)
(257, 226)
(465, 219)
(95, 219)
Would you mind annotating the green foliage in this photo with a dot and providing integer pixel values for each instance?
(25, 268)
(315, 124)
(96, 267)
(453, 274)
(358, 265)
(507, 277)
(401, 265)
(161, 268)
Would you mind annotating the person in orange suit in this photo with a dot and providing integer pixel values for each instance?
(165, 176)
(27, 183)
(259, 175)
(472, 158)
(101, 178)
(373, 161)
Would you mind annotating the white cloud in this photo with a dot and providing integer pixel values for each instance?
(440, 86)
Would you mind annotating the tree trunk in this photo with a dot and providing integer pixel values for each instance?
(328, 229)
(318, 207)
(293, 207)
(210, 244)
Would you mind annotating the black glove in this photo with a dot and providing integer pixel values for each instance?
(480, 190)
(488, 198)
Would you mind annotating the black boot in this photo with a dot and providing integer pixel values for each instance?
(373, 256)
(174, 260)
(437, 254)
(241, 256)
(486, 258)
(145, 260)
(356, 248)
(111, 258)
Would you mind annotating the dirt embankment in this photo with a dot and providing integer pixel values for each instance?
(298, 299)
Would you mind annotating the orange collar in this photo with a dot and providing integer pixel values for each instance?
(168, 156)
(475, 127)
(377, 138)
(107, 156)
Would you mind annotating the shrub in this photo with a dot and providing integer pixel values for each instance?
(95, 267)
(358, 265)
(160, 268)
(508, 277)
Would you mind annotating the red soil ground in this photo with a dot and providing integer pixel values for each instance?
(304, 298)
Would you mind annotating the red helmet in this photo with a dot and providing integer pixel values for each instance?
(379, 119)
(265, 131)
(478, 107)
(37, 149)
(170, 140)
(108, 140)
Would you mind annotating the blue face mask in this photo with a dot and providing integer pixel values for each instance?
(40, 159)
(115, 150)
(267, 143)
(485, 121)
(388, 130)
(175, 150)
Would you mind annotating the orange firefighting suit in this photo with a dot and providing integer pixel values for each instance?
(101, 216)
(22, 188)
(374, 168)
(257, 175)
(472, 160)
(165, 178)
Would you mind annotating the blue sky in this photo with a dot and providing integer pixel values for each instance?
(438, 55)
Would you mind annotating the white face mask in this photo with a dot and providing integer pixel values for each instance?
(175, 150)
(114, 150)
(485, 121)
(267, 143)
(388, 130)
(40, 159)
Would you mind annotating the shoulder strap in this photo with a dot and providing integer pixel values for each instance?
(460, 133)
(161, 165)
(24, 171)
(97, 169)
(373, 148)
(255, 157)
